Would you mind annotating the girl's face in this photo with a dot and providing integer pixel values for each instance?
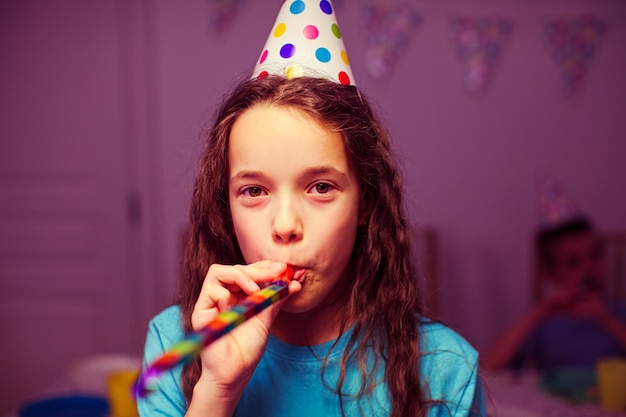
(293, 197)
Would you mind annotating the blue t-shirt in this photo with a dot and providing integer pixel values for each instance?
(288, 379)
(563, 341)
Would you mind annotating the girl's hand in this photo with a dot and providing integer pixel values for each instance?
(228, 363)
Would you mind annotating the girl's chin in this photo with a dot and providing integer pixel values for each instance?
(305, 302)
(297, 304)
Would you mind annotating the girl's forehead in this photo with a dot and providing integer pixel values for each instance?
(267, 110)
(265, 136)
(263, 125)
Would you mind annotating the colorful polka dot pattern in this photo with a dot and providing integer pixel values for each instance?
(306, 40)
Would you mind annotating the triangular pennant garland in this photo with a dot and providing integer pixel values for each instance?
(573, 42)
(478, 43)
(388, 29)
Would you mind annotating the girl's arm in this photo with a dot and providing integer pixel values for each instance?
(207, 400)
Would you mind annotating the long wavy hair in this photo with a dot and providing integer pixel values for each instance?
(381, 299)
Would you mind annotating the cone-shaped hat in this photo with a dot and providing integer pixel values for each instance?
(555, 207)
(306, 41)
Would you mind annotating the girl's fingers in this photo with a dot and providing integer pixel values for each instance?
(294, 287)
(269, 314)
(224, 283)
(201, 317)
(260, 272)
(245, 277)
(234, 279)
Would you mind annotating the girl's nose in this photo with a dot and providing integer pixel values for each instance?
(287, 225)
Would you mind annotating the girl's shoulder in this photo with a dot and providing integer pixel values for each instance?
(164, 330)
(168, 314)
(449, 367)
(438, 339)
(167, 323)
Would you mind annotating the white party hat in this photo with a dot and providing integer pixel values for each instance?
(305, 41)
(555, 207)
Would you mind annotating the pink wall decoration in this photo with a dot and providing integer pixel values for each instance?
(573, 41)
(388, 31)
(478, 43)
(222, 13)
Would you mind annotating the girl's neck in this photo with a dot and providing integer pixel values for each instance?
(310, 328)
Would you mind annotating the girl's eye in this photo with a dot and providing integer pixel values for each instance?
(253, 191)
(322, 188)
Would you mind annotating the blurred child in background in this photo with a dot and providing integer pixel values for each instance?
(575, 323)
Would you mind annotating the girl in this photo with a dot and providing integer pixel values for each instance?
(300, 172)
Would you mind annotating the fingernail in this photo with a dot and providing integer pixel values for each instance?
(253, 286)
(278, 267)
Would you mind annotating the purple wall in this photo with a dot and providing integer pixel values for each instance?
(470, 162)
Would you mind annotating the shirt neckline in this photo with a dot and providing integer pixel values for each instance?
(309, 353)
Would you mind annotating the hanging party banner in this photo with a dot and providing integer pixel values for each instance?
(478, 44)
(573, 42)
(222, 13)
(388, 29)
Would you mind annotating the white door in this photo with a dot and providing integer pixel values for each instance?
(65, 289)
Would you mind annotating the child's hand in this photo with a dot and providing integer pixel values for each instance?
(577, 303)
(228, 363)
(590, 304)
(559, 302)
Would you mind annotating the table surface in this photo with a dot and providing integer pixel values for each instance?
(517, 394)
(508, 394)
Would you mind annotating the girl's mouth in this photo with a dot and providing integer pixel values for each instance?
(299, 272)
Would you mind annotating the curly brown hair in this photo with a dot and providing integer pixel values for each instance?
(381, 301)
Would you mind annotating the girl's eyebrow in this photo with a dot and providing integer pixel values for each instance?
(309, 172)
(323, 170)
(246, 174)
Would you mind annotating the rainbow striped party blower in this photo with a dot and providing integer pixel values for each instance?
(191, 345)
